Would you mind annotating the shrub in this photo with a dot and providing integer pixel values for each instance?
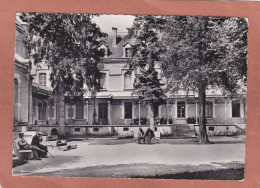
(191, 120)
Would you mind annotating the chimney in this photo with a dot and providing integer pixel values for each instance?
(114, 42)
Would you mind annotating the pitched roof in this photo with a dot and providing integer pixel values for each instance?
(117, 51)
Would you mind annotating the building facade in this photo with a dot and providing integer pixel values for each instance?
(117, 111)
(22, 79)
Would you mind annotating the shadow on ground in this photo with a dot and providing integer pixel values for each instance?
(213, 171)
(181, 141)
(26, 167)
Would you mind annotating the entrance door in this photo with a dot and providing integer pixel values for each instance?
(102, 113)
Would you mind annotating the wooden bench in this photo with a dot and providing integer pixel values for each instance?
(20, 153)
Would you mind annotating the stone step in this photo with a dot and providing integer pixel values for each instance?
(184, 130)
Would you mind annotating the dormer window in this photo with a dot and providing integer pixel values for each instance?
(104, 51)
(127, 52)
(42, 79)
(103, 48)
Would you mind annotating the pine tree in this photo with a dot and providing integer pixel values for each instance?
(145, 55)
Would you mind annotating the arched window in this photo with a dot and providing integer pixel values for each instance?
(127, 81)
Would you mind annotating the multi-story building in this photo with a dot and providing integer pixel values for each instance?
(120, 112)
(22, 79)
(30, 93)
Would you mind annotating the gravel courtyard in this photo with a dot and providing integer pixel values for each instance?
(126, 158)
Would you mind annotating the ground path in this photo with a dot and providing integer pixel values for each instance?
(95, 154)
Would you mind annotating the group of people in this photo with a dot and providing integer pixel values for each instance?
(149, 134)
(39, 150)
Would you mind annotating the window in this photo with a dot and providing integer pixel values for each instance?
(128, 110)
(77, 129)
(127, 52)
(103, 81)
(42, 79)
(126, 129)
(181, 109)
(51, 112)
(211, 128)
(15, 99)
(103, 113)
(235, 109)
(96, 129)
(127, 81)
(209, 109)
(79, 109)
(103, 50)
(42, 106)
(156, 112)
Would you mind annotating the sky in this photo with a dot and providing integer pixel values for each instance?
(121, 22)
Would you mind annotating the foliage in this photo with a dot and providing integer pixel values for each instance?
(191, 120)
(212, 50)
(68, 43)
(203, 53)
(145, 53)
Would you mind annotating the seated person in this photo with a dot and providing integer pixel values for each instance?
(24, 145)
(149, 134)
(36, 141)
(140, 135)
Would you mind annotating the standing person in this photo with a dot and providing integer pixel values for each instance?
(24, 145)
(149, 134)
(141, 136)
(36, 141)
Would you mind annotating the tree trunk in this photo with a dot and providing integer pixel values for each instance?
(94, 110)
(151, 115)
(61, 112)
(203, 136)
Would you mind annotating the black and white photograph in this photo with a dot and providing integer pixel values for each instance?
(130, 96)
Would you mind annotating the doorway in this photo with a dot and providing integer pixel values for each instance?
(102, 113)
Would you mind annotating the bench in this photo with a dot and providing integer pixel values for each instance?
(20, 153)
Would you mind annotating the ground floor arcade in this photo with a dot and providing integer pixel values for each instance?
(109, 115)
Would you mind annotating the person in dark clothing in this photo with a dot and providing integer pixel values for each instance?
(36, 141)
(24, 145)
(141, 136)
(149, 134)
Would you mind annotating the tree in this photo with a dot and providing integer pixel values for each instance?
(145, 55)
(68, 43)
(202, 53)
